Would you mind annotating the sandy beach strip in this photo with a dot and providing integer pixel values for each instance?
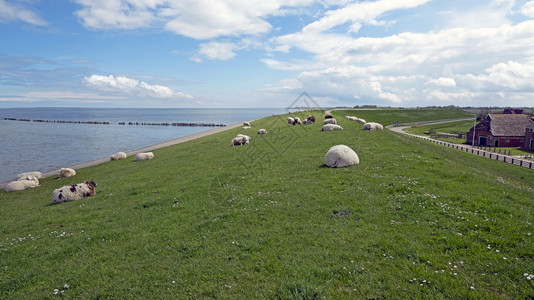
(145, 149)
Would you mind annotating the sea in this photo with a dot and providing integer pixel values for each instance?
(49, 138)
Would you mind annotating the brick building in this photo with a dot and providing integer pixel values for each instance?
(500, 130)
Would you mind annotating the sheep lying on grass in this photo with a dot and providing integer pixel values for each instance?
(246, 124)
(74, 192)
(372, 126)
(341, 156)
(310, 119)
(24, 183)
(330, 127)
(24, 176)
(239, 140)
(65, 172)
(290, 120)
(355, 119)
(144, 156)
(297, 121)
(330, 121)
(118, 155)
(262, 131)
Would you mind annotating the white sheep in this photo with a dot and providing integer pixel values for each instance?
(341, 156)
(330, 127)
(22, 184)
(144, 156)
(372, 126)
(351, 118)
(359, 120)
(238, 141)
(330, 121)
(297, 120)
(118, 155)
(246, 124)
(24, 176)
(290, 120)
(74, 192)
(65, 172)
(262, 131)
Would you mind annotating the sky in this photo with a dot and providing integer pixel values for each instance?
(257, 53)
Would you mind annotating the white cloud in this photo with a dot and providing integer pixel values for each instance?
(215, 51)
(359, 12)
(118, 14)
(198, 19)
(121, 84)
(442, 81)
(528, 9)
(14, 12)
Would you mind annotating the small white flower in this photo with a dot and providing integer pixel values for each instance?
(472, 287)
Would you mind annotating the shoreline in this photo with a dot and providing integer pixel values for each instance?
(144, 149)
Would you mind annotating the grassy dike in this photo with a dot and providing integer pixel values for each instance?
(268, 220)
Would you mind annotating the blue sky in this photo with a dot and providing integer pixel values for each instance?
(232, 53)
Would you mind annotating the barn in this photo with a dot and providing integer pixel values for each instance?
(529, 138)
(500, 130)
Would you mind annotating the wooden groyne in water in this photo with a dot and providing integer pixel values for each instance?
(120, 123)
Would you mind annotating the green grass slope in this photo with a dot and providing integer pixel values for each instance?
(268, 220)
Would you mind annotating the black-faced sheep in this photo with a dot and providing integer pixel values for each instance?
(310, 119)
(297, 121)
(74, 192)
(24, 183)
(330, 121)
(328, 116)
(262, 131)
(341, 156)
(118, 155)
(372, 126)
(290, 120)
(65, 172)
(144, 156)
(331, 127)
(246, 124)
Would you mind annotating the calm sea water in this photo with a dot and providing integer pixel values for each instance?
(35, 146)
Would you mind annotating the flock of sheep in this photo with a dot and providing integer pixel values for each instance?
(69, 192)
(338, 156)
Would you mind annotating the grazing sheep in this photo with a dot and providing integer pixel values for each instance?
(22, 184)
(372, 126)
(65, 172)
(310, 119)
(74, 192)
(262, 131)
(246, 124)
(328, 116)
(330, 121)
(290, 120)
(24, 176)
(297, 120)
(341, 156)
(243, 136)
(239, 140)
(118, 155)
(330, 127)
(144, 156)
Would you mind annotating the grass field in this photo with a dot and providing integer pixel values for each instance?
(268, 220)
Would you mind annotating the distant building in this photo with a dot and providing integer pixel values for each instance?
(500, 130)
(529, 138)
(513, 111)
